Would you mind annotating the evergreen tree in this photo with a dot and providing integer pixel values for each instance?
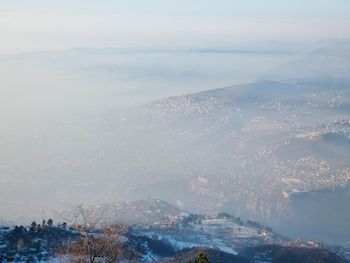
(32, 226)
(50, 222)
(201, 258)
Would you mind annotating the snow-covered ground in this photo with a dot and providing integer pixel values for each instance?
(220, 234)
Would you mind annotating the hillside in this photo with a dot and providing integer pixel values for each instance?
(222, 237)
(259, 143)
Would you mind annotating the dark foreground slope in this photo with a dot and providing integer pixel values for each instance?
(187, 255)
(322, 214)
(278, 254)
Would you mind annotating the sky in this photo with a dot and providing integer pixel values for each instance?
(36, 25)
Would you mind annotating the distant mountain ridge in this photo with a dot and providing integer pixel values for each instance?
(330, 59)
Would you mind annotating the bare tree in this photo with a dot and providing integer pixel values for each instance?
(77, 214)
(98, 242)
(105, 246)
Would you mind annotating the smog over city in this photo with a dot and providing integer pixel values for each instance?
(196, 131)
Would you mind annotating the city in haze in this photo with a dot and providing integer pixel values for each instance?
(193, 130)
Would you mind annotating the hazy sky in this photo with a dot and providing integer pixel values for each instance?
(27, 25)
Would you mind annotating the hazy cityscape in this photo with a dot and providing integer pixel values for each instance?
(163, 131)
